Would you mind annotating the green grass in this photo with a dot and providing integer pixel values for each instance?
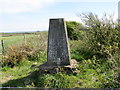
(91, 75)
(15, 39)
(22, 70)
(12, 40)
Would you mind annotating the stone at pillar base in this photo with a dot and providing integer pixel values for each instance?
(68, 69)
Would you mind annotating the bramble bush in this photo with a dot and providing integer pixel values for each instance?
(103, 35)
(34, 48)
(15, 53)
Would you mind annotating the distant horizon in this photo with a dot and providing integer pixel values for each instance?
(23, 31)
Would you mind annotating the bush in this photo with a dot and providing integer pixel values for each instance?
(15, 54)
(79, 50)
(103, 35)
(34, 48)
(73, 30)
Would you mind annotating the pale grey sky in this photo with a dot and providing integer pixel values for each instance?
(33, 15)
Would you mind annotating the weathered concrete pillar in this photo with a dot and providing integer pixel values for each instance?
(58, 48)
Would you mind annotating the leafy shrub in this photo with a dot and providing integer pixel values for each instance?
(34, 48)
(15, 54)
(73, 30)
(103, 35)
(103, 38)
(80, 50)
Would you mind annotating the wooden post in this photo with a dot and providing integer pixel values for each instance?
(2, 42)
(24, 38)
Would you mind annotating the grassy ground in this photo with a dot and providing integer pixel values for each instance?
(22, 70)
(93, 73)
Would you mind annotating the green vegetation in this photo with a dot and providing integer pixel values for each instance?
(13, 39)
(73, 30)
(95, 46)
(31, 49)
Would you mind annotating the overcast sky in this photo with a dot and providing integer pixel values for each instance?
(34, 15)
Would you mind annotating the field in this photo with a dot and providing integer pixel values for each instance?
(13, 38)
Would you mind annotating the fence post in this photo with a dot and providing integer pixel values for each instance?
(2, 42)
(24, 38)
